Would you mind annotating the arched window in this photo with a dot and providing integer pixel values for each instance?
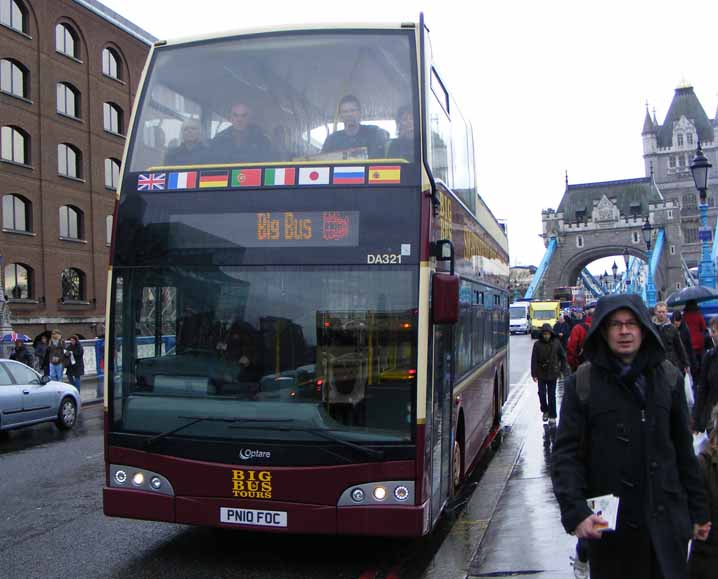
(18, 281)
(13, 14)
(68, 100)
(66, 40)
(112, 118)
(16, 213)
(15, 145)
(69, 161)
(679, 139)
(71, 222)
(72, 281)
(112, 173)
(111, 63)
(689, 138)
(13, 78)
(108, 229)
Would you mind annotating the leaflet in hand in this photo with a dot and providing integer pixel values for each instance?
(606, 507)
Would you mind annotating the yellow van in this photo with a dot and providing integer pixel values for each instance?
(543, 313)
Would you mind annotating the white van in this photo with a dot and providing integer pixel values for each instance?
(519, 318)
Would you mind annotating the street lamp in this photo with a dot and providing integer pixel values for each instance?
(647, 231)
(626, 258)
(699, 168)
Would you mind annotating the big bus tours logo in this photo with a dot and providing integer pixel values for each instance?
(252, 484)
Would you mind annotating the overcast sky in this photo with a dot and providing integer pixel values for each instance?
(549, 86)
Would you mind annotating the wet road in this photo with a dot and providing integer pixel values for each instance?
(52, 525)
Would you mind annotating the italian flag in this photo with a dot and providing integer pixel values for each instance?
(279, 176)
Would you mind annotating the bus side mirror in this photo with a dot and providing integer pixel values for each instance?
(445, 298)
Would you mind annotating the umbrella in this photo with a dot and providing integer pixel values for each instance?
(696, 293)
(12, 336)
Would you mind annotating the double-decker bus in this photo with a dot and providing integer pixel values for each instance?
(307, 299)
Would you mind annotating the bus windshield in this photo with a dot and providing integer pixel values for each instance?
(273, 98)
(320, 348)
(518, 313)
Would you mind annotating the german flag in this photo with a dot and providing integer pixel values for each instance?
(384, 174)
(210, 179)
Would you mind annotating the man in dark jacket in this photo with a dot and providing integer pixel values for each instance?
(547, 361)
(562, 329)
(21, 353)
(624, 431)
(680, 325)
(675, 352)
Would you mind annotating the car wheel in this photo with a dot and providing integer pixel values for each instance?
(67, 415)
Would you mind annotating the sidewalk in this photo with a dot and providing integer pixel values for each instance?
(91, 389)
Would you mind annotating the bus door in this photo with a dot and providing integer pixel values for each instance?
(441, 425)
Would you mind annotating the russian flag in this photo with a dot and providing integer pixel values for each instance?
(349, 175)
(185, 180)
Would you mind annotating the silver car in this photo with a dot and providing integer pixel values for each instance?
(27, 398)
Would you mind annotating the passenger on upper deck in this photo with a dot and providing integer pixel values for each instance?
(403, 146)
(192, 150)
(241, 142)
(355, 135)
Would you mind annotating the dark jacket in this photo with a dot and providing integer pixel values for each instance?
(78, 368)
(252, 147)
(22, 354)
(562, 328)
(184, 155)
(547, 357)
(55, 353)
(675, 351)
(685, 335)
(707, 390)
(40, 351)
(704, 555)
(372, 137)
(630, 438)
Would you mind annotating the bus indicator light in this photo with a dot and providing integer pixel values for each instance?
(121, 477)
(357, 495)
(401, 493)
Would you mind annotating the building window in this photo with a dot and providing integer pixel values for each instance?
(635, 236)
(579, 241)
(13, 78)
(112, 118)
(14, 145)
(678, 285)
(672, 162)
(672, 249)
(670, 214)
(689, 138)
(70, 222)
(69, 161)
(73, 285)
(111, 63)
(679, 139)
(66, 40)
(16, 213)
(18, 281)
(112, 173)
(13, 14)
(681, 161)
(108, 229)
(689, 201)
(68, 100)
(690, 233)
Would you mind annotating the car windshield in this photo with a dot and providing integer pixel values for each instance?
(544, 314)
(318, 96)
(518, 313)
(328, 349)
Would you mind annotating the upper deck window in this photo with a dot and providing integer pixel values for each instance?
(280, 98)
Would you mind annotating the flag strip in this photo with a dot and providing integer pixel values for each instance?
(385, 174)
(348, 175)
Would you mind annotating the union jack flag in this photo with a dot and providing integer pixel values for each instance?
(151, 182)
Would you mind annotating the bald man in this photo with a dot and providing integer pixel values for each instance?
(243, 141)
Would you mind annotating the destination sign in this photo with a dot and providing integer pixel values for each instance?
(266, 229)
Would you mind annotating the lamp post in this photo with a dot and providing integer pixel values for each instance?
(614, 269)
(699, 168)
(626, 259)
(647, 231)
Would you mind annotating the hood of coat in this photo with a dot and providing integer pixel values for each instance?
(547, 328)
(595, 347)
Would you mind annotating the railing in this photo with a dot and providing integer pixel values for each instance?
(543, 266)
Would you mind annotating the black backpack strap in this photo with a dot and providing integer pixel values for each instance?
(583, 382)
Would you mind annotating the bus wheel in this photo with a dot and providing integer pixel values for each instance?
(457, 460)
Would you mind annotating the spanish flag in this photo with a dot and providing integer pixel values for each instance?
(384, 174)
(208, 179)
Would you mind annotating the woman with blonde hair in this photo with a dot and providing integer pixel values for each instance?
(703, 561)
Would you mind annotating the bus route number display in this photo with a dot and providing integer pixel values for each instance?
(268, 229)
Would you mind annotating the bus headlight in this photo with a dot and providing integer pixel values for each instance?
(379, 493)
(139, 479)
(134, 479)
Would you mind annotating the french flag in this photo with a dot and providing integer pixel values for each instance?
(348, 175)
(184, 180)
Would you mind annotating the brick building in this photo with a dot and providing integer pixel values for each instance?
(69, 70)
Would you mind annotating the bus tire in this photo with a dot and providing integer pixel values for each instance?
(457, 456)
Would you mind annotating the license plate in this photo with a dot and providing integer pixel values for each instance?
(257, 518)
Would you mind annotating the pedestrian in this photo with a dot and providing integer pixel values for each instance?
(680, 324)
(624, 431)
(574, 349)
(675, 352)
(21, 353)
(562, 329)
(707, 384)
(76, 362)
(703, 561)
(547, 361)
(56, 356)
(40, 351)
(696, 324)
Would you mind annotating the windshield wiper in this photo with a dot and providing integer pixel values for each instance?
(196, 419)
(325, 434)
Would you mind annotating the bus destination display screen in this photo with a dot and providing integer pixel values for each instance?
(265, 229)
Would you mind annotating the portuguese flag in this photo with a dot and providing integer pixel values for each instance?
(246, 177)
(279, 176)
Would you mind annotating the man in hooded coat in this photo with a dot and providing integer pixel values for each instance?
(627, 434)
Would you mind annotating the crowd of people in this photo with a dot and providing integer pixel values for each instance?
(627, 428)
(54, 357)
